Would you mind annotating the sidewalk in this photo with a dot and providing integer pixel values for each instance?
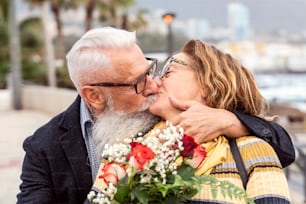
(17, 125)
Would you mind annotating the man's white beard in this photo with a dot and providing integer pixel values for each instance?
(113, 126)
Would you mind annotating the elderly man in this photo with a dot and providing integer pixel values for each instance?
(110, 73)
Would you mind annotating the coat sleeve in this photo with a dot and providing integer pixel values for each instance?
(36, 185)
(271, 132)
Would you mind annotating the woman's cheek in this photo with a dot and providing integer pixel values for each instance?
(159, 106)
(154, 107)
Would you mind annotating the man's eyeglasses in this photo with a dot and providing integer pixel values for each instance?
(168, 63)
(140, 82)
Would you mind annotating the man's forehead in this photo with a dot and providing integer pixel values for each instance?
(129, 69)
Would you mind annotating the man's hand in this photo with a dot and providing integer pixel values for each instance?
(205, 123)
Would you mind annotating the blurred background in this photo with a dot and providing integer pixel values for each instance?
(267, 36)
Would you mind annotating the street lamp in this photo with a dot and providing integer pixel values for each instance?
(168, 19)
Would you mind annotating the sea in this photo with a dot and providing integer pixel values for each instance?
(284, 88)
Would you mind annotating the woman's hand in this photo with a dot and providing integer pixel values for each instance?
(205, 123)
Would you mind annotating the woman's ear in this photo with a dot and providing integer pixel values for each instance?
(94, 98)
(204, 94)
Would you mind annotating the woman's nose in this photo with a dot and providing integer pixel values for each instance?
(152, 86)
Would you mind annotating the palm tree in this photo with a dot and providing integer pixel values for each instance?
(111, 11)
(140, 21)
(4, 5)
(89, 8)
(33, 51)
(4, 42)
(56, 6)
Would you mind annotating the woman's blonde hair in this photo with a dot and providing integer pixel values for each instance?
(230, 85)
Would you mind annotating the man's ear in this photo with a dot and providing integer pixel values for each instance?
(94, 97)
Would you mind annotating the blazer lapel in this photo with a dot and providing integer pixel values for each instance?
(74, 147)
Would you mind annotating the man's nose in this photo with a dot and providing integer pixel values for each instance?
(152, 85)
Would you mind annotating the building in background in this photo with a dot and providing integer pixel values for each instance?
(238, 21)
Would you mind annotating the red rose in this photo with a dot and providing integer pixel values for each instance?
(112, 172)
(198, 156)
(140, 155)
(189, 144)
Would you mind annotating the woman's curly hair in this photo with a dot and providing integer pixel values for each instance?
(229, 84)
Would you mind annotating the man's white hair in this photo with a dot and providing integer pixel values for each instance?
(90, 53)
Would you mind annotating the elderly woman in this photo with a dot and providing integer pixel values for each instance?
(202, 73)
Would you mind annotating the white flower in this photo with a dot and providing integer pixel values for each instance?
(91, 195)
(145, 178)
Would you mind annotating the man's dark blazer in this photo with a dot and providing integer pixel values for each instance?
(55, 167)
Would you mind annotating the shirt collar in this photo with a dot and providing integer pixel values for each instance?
(85, 118)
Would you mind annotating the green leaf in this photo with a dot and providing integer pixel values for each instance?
(162, 188)
(124, 180)
(172, 199)
(214, 191)
(115, 202)
(170, 178)
(178, 181)
(227, 188)
(186, 172)
(142, 195)
(122, 192)
(188, 194)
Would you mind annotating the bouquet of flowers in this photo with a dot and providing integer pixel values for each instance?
(156, 168)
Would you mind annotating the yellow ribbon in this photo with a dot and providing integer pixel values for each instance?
(216, 154)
